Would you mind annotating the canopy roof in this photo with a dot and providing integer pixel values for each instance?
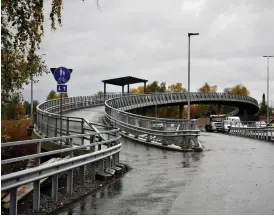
(121, 81)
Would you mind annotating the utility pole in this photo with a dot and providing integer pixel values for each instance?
(188, 98)
(267, 112)
(31, 98)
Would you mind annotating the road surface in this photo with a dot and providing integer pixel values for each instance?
(233, 175)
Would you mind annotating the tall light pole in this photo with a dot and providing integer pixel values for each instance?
(31, 98)
(267, 112)
(188, 97)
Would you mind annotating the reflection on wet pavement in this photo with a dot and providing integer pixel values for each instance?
(233, 175)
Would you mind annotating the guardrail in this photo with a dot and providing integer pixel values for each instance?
(77, 134)
(253, 129)
(177, 131)
(263, 133)
(48, 118)
(168, 131)
(109, 155)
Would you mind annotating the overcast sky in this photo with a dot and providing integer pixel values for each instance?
(148, 39)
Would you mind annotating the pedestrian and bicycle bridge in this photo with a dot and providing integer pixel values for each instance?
(82, 142)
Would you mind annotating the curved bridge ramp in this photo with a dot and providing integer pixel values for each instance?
(241, 103)
(180, 132)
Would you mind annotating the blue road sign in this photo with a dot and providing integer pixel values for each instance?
(62, 75)
(62, 88)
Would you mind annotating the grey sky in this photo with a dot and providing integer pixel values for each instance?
(148, 39)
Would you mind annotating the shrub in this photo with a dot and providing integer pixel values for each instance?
(15, 130)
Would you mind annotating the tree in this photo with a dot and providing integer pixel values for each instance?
(263, 106)
(178, 87)
(15, 109)
(138, 90)
(100, 93)
(21, 34)
(153, 87)
(27, 107)
(65, 95)
(240, 90)
(203, 108)
(207, 88)
(52, 95)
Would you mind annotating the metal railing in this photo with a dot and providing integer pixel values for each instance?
(48, 118)
(251, 130)
(176, 131)
(108, 155)
(168, 131)
(75, 131)
(77, 135)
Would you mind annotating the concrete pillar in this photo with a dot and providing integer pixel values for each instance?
(128, 88)
(123, 89)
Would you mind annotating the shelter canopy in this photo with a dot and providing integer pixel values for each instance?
(122, 81)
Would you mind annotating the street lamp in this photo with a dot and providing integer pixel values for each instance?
(267, 112)
(31, 98)
(188, 98)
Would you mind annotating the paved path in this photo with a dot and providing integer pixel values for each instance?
(234, 175)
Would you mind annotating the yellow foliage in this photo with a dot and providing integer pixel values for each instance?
(138, 90)
(240, 90)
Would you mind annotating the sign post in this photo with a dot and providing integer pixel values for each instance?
(62, 76)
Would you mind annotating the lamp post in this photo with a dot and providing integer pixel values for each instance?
(31, 98)
(267, 112)
(188, 97)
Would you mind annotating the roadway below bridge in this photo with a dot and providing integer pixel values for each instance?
(233, 175)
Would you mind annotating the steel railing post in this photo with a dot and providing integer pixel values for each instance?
(54, 187)
(13, 201)
(82, 175)
(55, 129)
(36, 184)
(82, 131)
(67, 141)
(70, 172)
(92, 149)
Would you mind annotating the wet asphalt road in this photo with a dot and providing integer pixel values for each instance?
(233, 175)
